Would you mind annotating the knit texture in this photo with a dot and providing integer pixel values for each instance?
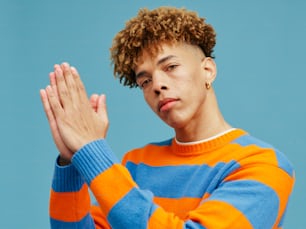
(231, 181)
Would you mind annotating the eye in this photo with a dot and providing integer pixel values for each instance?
(144, 83)
(171, 67)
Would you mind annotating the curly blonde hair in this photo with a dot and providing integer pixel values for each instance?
(151, 28)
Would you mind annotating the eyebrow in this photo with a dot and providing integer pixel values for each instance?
(161, 61)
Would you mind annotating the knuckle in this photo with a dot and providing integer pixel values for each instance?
(81, 88)
(63, 92)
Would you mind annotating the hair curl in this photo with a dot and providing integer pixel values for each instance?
(149, 29)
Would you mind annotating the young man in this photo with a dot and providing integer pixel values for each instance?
(209, 175)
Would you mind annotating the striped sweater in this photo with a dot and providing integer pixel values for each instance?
(231, 181)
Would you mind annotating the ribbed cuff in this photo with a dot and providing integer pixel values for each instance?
(93, 159)
(66, 178)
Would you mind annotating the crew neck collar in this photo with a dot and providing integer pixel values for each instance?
(208, 144)
(206, 139)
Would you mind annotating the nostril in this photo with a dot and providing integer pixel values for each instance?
(157, 92)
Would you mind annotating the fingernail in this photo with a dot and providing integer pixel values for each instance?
(73, 69)
(58, 71)
(103, 97)
(65, 65)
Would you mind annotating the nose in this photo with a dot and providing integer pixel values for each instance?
(159, 82)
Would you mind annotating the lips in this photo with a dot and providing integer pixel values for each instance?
(165, 102)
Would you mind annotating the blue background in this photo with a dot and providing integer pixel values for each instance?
(260, 85)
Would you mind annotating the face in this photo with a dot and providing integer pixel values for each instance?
(173, 83)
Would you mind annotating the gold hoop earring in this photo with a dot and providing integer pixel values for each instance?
(208, 85)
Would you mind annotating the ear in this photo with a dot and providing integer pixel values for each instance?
(210, 69)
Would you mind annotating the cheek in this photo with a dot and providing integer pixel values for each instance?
(148, 101)
(195, 94)
(193, 87)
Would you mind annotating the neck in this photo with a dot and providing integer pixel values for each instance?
(209, 122)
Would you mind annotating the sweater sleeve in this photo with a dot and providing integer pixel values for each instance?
(232, 205)
(69, 199)
(119, 198)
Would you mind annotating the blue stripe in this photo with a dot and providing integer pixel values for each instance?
(163, 143)
(283, 162)
(247, 140)
(133, 210)
(180, 181)
(86, 222)
(95, 203)
(66, 179)
(258, 202)
(192, 225)
(93, 159)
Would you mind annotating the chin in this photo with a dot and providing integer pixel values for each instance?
(175, 124)
(174, 120)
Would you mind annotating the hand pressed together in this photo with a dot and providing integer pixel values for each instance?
(74, 119)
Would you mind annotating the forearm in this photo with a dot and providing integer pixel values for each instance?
(69, 200)
(234, 203)
(123, 202)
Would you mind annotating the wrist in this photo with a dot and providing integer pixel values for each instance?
(63, 161)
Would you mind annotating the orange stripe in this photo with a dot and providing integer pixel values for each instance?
(203, 153)
(163, 155)
(217, 214)
(161, 219)
(274, 177)
(70, 206)
(212, 214)
(99, 218)
(179, 207)
(243, 155)
(252, 153)
(111, 185)
(206, 195)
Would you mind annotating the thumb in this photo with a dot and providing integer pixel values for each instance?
(102, 113)
(94, 101)
(101, 107)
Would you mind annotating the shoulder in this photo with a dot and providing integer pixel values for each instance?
(265, 152)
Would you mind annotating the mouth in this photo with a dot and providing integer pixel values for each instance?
(165, 104)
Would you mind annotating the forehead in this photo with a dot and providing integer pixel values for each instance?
(154, 54)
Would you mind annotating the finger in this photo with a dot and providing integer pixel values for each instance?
(70, 81)
(62, 90)
(49, 113)
(102, 109)
(55, 105)
(53, 83)
(53, 125)
(79, 83)
(102, 112)
(52, 79)
(94, 101)
(46, 105)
